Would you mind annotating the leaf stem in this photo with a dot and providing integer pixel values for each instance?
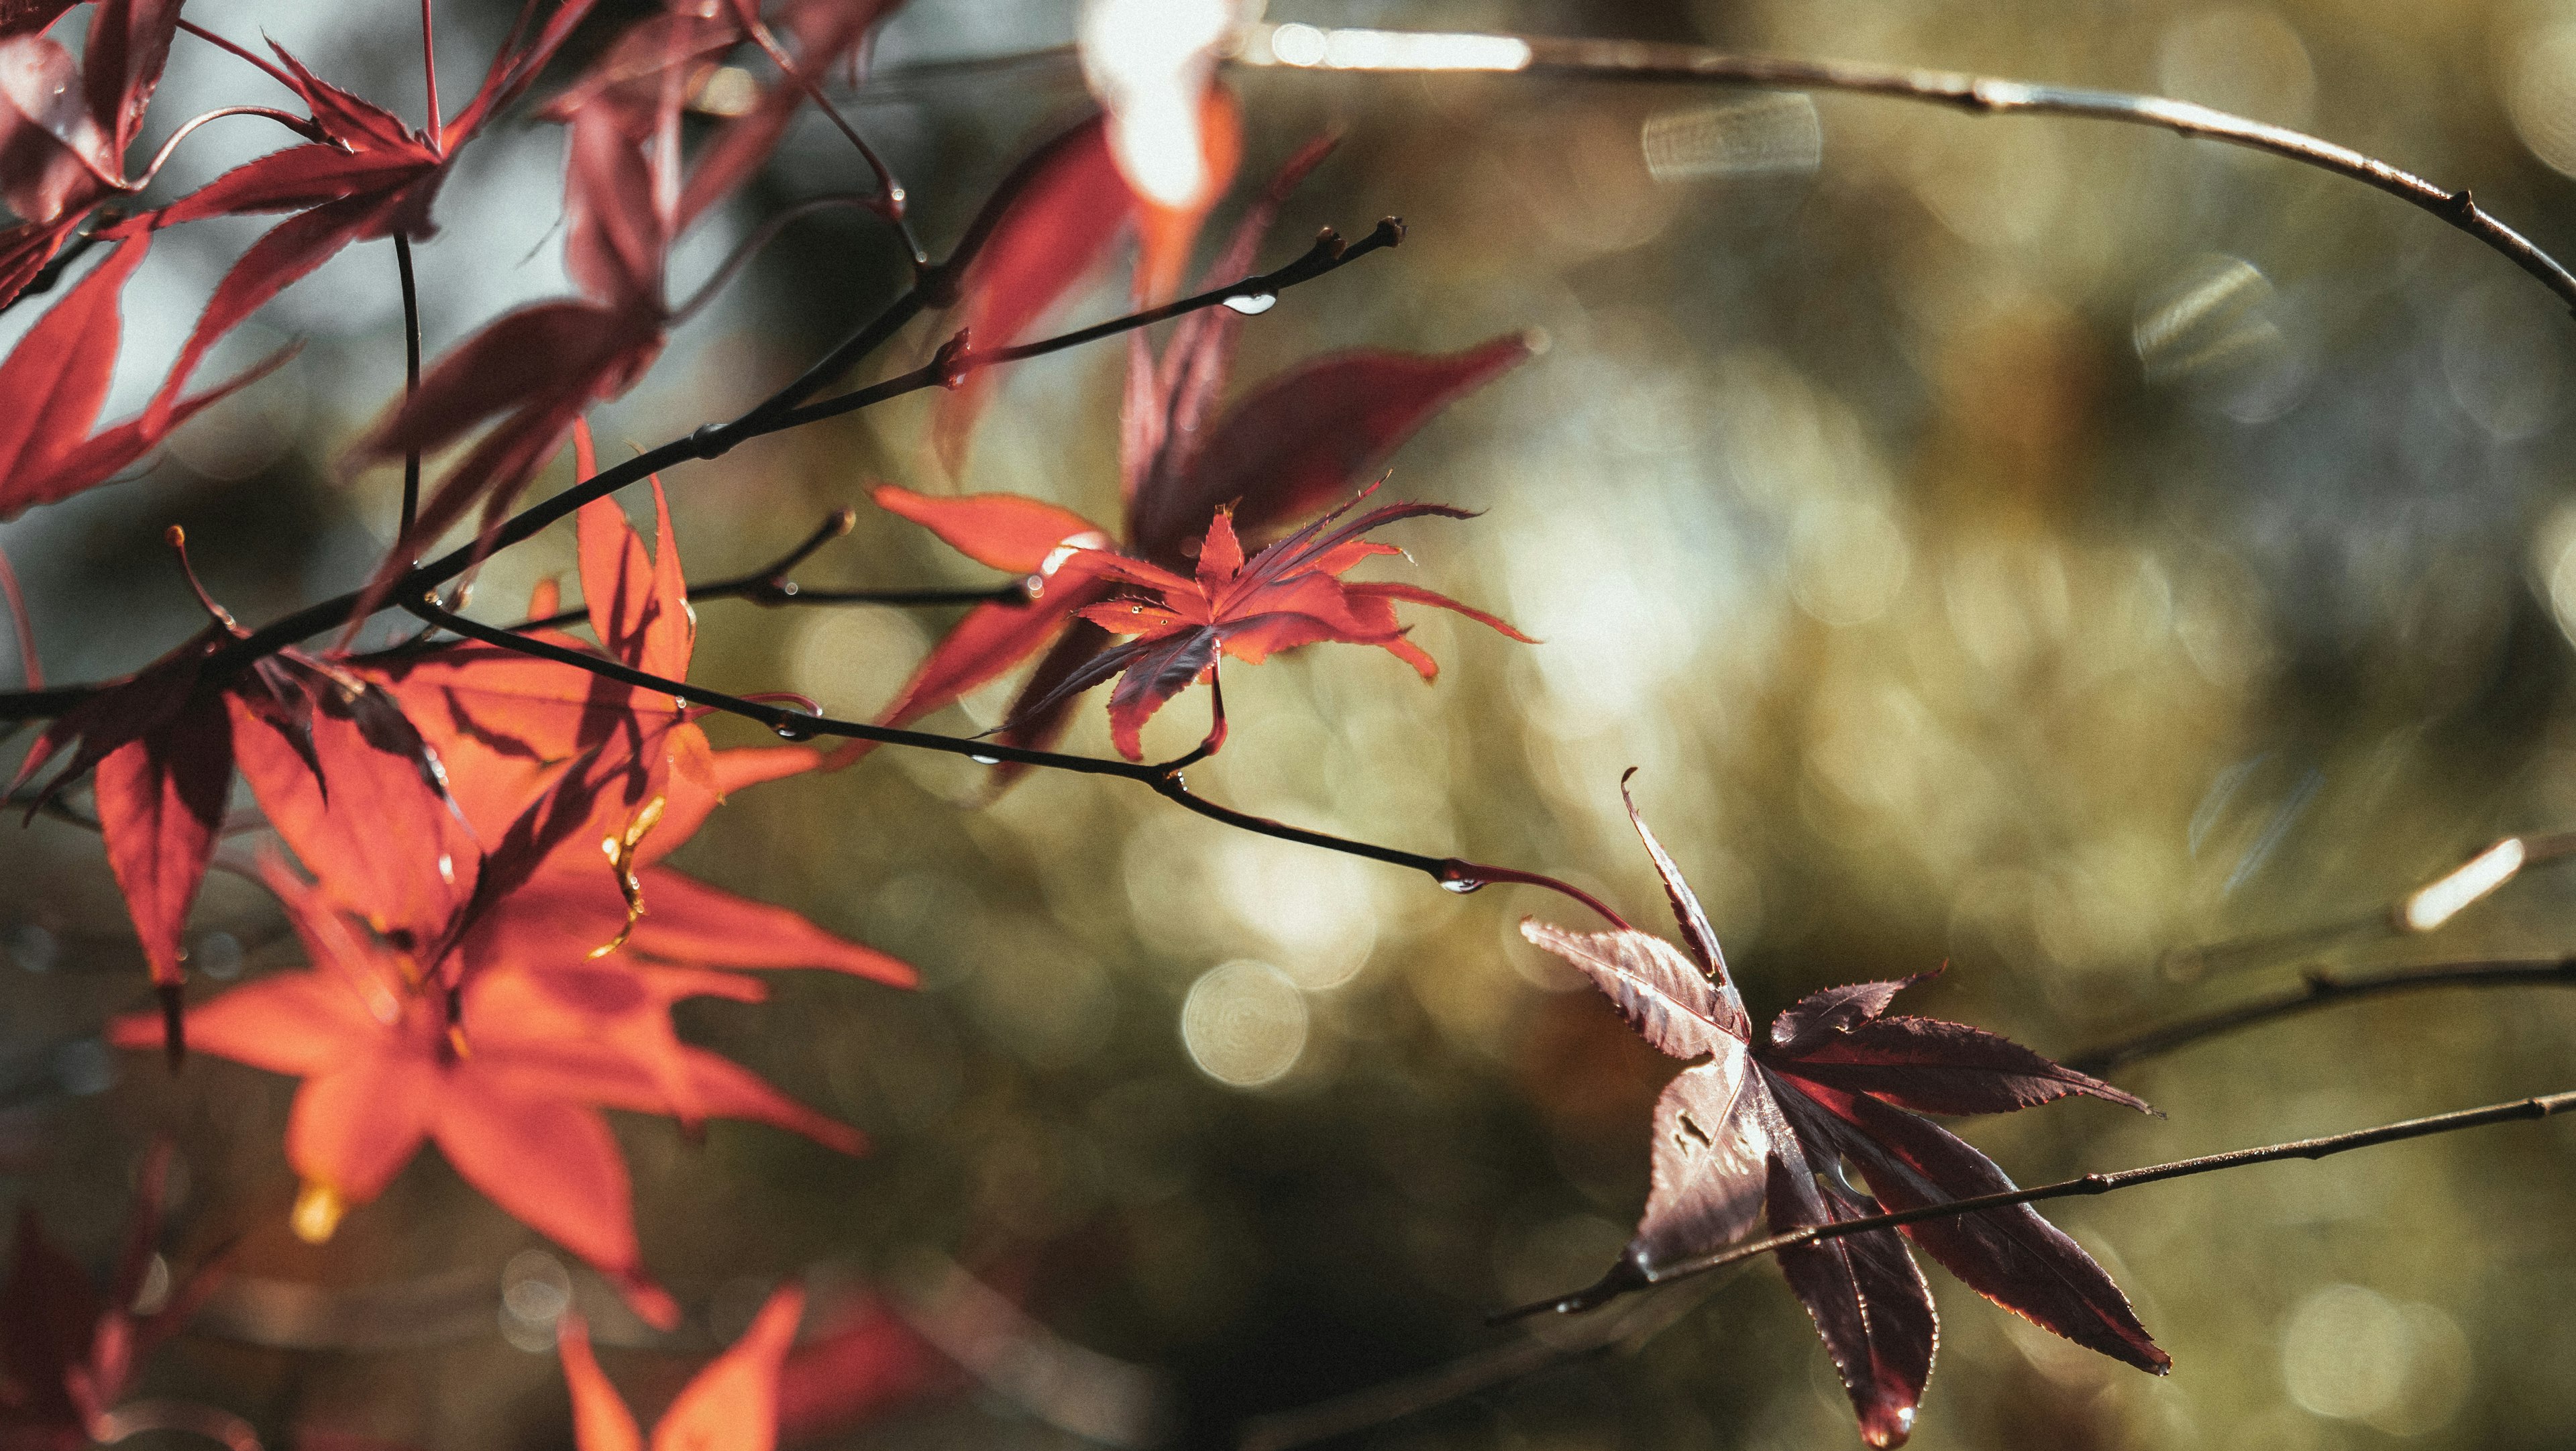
(429, 70)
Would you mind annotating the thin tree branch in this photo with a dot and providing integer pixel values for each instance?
(1163, 778)
(752, 245)
(411, 322)
(890, 199)
(1328, 255)
(1627, 1328)
(1618, 1283)
(1303, 47)
(2323, 989)
(769, 587)
(287, 119)
(2426, 909)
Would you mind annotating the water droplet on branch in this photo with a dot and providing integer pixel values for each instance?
(1253, 304)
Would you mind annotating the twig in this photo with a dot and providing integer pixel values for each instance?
(752, 245)
(1627, 1328)
(411, 321)
(2324, 989)
(769, 587)
(1326, 256)
(1163, 778)
(1302, 47)
(955, 362)
(2089, 1184)
(2426, 909)
(890, 198)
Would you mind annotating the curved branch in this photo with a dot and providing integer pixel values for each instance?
(1163, 778)
(1329, 254)
(2324, 989)
(2318, 1148)
(411, 340)
(2426, 909)
(1621, 60)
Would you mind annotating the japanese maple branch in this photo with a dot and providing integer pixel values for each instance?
(769, 585)
(1620, 60)
(1618, 1284)
(2324, 989)
(889, 200)
(1328, 255)
(411, 326)
(1163, 778)
(2426, 909)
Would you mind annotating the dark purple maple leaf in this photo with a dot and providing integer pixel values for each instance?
(1838, 1083)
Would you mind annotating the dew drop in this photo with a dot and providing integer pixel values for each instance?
(985, 760)
(1461, 885)
(1254, 304)
(790, 731)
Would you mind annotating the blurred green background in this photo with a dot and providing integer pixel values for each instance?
(2032, 545)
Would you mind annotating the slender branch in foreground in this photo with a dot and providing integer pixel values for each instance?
(1627, 1279)
(1163, 778)
(1306, 47)
(2324, 989)
(770, 587)
(1626, 1328)
(411, 326)
(2426, 909)
(959, 358)
(1328, 255)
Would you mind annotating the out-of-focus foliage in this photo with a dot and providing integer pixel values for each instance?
(2029, 544)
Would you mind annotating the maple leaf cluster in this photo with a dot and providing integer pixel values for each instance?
(471, 837)
(472, 834)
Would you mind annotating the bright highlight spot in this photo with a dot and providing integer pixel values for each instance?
(1149, 61)
(318, 1208)
(1775, 135)
(1244, 1023)
(2481, 874)
(1386, 50)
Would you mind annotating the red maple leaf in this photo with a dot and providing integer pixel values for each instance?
(1301, 440)
(368, 175)
(509, 1089)
(65, 126)
(550, 764)
(1839, 1081)
(729, 1405)
(67, 1353)
(56, 380)
(1049, 224)
(676, 50)
(163, 744)
(1288, 595)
